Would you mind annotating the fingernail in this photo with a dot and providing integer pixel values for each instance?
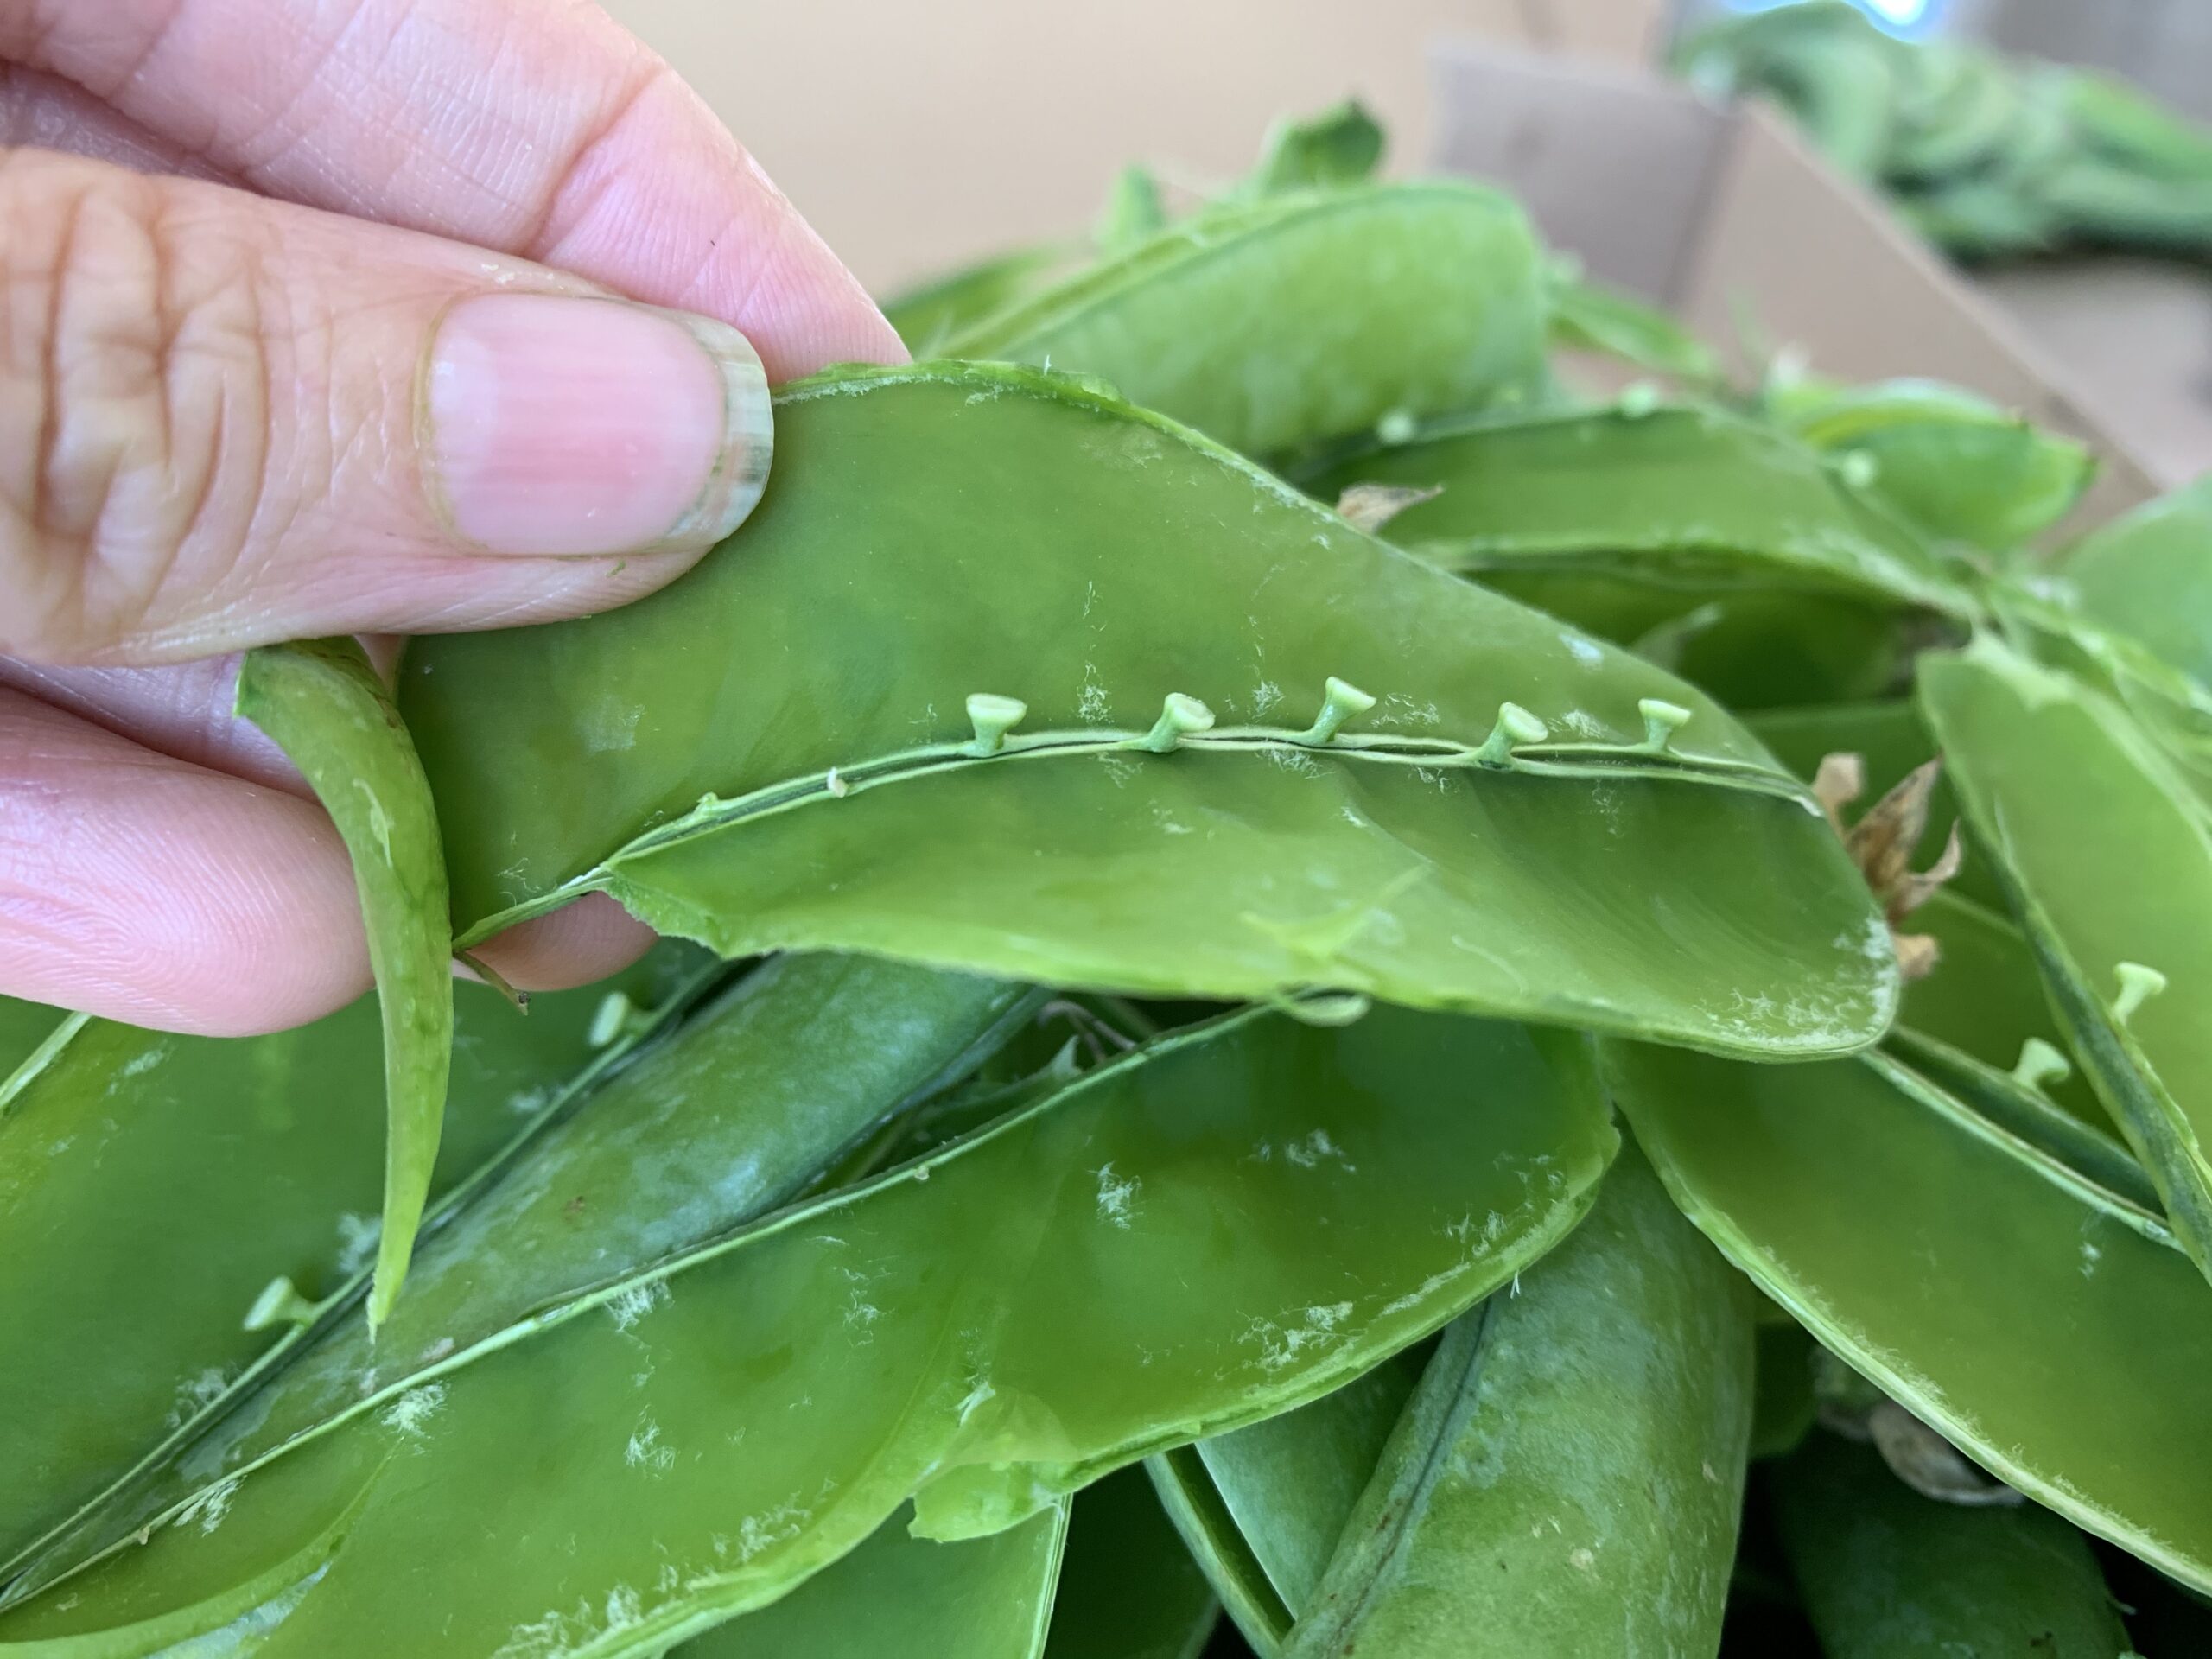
(561, 425)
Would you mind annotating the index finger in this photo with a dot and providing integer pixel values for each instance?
(556, 136)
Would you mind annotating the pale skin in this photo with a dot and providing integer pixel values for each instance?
(263, 376)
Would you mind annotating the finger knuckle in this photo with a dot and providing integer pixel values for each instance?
(134, 377)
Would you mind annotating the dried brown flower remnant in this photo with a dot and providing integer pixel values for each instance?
(1371, 506)
(1881, 843)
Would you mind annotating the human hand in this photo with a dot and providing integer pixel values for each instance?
(312, 335)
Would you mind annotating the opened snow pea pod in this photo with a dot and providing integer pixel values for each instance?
(2050, 1329)
(977, 1365)
(1567, 1478)
(1151, 722)
(1235, 321)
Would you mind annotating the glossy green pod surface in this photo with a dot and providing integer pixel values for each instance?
(1236, 321)
(1567, 1478)
(1689, 492)
(810, 679)
(1889, 1575)
(2039, 1324)
(700, 1418)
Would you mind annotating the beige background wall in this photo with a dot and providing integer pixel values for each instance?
(915, 136)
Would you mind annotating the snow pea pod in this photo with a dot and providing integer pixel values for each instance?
(1956, 466)
(900, 1597)
(1129, 1589)
(931, 313)
(773, 751)
(24, 1028)
(321, 703)
(2037, 1323)
(2109, 853)
(1235, 321)
(2150, 576)
(130, 1166)
(737, 1112)
(1685, 493)
(682, 1446)
(1889, 1575)
(1567, 1478)
(1223, 1554)
(1291, 1483)
(1589, 317)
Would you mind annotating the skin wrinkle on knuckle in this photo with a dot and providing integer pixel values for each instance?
(151, 380)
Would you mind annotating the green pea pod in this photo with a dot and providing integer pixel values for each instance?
(1589, 316)
(727, 1423)
(1566, 1478)
(321, 703)
(25, 1028)
(1954, 465)
(2149, 575)
(1225, 1556)
(1688, 493)
(1134, 213)
(1342, 145)
(1129, 1589)
(2110, 855)
(1241, 321)
(1291, 1483)
(931, 313)
(1889, 1575)
(151, 1185)
(772, 753)
(900, 1597)
(2042, 1326)
(733, 1114)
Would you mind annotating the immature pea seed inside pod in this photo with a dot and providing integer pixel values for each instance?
(1662, 720)
(993, 717)
(1341, 700)
(1860, 469)
(2040, 1064)
(2138, 985)
(1514, 725)
(1180, 717)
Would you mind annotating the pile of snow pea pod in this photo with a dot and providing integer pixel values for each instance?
(1318, 996)
(1988, 157)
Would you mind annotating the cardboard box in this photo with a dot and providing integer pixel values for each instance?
(1727, 218)
(917, 138)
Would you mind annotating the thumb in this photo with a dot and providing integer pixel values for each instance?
(225, 421)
